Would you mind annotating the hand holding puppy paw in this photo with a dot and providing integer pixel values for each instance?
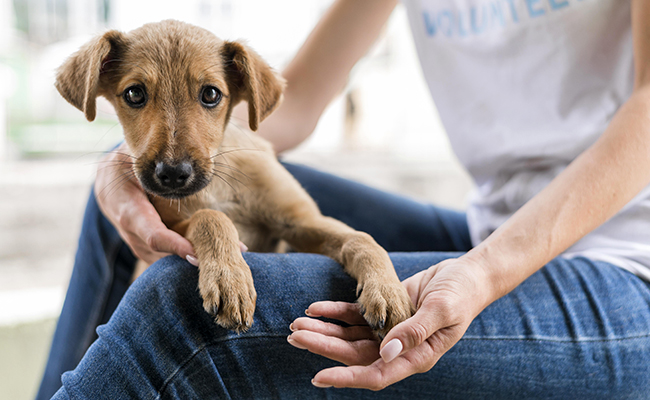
(448, 295)
(384, 304)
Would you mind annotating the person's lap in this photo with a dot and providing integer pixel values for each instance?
(573, 324)
(104, 264)
(575, 329)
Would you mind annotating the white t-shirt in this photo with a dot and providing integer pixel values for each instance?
(522, 88)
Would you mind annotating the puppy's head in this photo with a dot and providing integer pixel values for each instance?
(173, 86)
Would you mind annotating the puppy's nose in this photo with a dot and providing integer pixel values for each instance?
(173, 176)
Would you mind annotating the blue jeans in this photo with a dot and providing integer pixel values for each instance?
(576, 329)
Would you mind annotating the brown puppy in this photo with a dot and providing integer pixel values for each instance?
(174, 86)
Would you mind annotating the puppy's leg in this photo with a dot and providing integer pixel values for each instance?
(384, 300)
(290, 214)
(225, 280)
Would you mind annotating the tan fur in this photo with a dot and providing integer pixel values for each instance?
(247, 195)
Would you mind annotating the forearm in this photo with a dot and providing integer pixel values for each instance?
(320, 69)
(591, 190)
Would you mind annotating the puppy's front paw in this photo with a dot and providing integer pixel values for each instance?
(384, 304)
(228, 293)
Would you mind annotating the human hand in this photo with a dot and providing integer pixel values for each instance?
(448, 295)
(125, 204)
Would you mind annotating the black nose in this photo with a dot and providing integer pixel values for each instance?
(173, 176)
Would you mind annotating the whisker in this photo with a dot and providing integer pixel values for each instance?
(111, 161)
(121, 183)
(106, 133)
(102, 165)
(114, 166)
(123, 154)
(232, 151)
(125, 177)
(125, 165)
(109, 152)
(114, 180)
(222, 165)
(227, 183)
(230, 176)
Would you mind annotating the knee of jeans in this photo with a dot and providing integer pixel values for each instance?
(171, 282)
(298, 276)
(170, 267)
(166, 280)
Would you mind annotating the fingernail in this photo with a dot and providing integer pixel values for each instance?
(391, 350)
(192, 260)
(243, 247)
(307, 312)
(294, 344)
(291, 327)
(320, 385)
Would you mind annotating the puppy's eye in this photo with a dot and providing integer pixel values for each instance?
(210, 96)
(135, 96)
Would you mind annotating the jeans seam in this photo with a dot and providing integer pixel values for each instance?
(556, 340)
(203, 347)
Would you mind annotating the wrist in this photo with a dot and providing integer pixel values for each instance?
(490, 286)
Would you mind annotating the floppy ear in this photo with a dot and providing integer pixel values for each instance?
(78, 79)
(253, 80)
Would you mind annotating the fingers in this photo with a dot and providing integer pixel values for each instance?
(162, 240)
(140, 248)
(148, 233)
(353, 345)
(339, 310)
(444, 312)
(358, 352)
(380, 374)
(374, 377)
(351, 333)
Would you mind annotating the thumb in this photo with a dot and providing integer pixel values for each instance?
(160, 239)
(410, 333)
(145, 221)
(167, 241)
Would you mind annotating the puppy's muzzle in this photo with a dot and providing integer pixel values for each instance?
(173, 176)
(172, 179)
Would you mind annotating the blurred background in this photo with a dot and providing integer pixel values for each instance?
(49, 152)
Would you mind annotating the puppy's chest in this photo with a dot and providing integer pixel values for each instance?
(252, 232)
(227, 202)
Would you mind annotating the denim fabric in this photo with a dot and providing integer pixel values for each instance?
(575, 329)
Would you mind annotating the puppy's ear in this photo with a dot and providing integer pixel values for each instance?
(78, 79)
(253, 80)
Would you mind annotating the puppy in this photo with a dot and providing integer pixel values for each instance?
(173, 86)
